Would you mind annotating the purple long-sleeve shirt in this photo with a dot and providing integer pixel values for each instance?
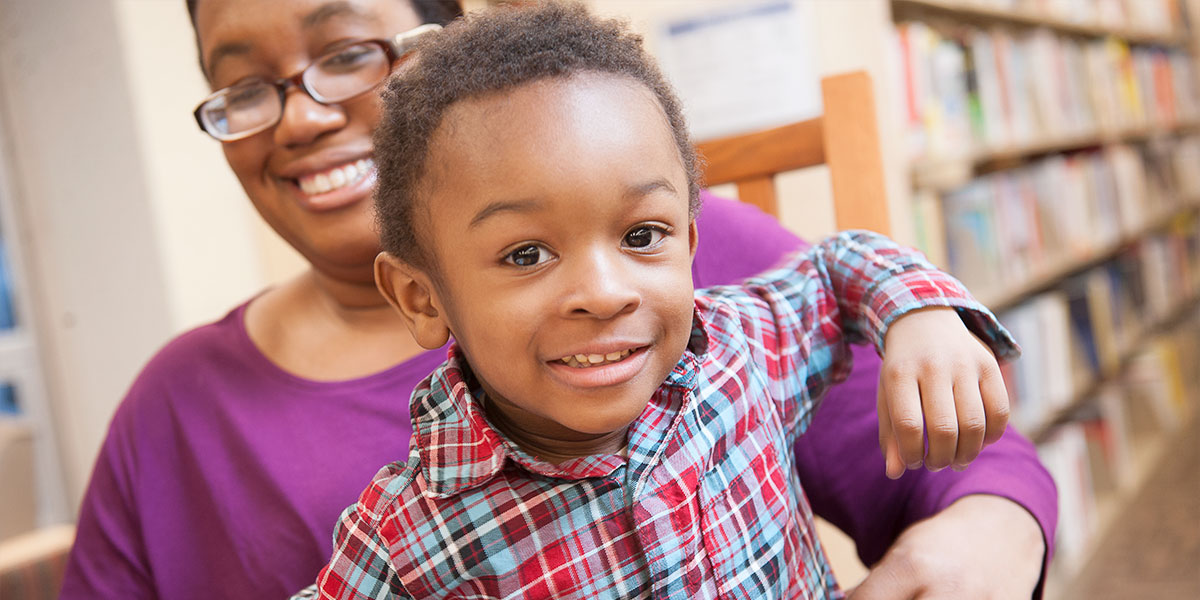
(221, 467)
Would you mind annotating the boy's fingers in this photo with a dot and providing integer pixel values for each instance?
(941, 421)
(893, 466)
(972, 424)
(904, 407)
(995, 402)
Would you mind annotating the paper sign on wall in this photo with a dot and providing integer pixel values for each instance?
(743, 68)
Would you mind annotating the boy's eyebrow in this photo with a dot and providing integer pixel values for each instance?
(499, 206)
(634, 192)
(645, 189)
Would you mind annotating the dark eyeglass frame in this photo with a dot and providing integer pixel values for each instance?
(397, 49)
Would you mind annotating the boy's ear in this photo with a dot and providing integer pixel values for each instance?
(693, 238)
(411, 292)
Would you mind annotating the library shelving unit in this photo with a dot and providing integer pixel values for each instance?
(33, 487)
(1053, 150)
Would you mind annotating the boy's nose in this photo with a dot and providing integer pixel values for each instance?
(598, 286)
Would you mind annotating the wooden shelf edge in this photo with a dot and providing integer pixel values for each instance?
(931, 173)
(1062, 269)
(1026, 18)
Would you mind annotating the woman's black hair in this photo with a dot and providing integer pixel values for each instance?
(430, 11)
(492, 51)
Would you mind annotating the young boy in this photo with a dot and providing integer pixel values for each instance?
(599, 430)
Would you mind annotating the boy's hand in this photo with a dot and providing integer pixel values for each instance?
(938, 376)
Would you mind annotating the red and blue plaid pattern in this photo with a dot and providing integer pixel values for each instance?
(706, 504)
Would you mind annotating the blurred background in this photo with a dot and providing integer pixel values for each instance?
(1046, 152)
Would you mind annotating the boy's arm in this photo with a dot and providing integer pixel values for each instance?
(360, 567)
(851, 288)
(838, 458)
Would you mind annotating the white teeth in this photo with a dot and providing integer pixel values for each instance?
(579, 361)
(337, 177)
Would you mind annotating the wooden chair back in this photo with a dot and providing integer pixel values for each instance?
(845, 137)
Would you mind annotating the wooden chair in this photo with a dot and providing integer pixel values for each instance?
(845, 137)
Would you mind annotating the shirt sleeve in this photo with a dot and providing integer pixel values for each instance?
(361, 567)
(838, 458)
(108, 558)
(800, 317)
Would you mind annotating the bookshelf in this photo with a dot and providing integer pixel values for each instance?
(1087, 23)
(948, 173)
(1051, 149)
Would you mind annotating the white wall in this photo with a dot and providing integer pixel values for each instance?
(135, 228)
(79, 183)
(203, 225)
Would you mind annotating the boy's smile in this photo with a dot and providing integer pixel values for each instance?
(556, 215)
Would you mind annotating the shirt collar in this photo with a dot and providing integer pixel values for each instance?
(460, 450)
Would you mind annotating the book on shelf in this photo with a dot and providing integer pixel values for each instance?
(1151, 15)
(8, 400)
(1107, 428)
(1040, 383)
(1085, 329)
(1065, 456)
(8, 321)
(1156, 376)
(1010, 227)
(8, 318)
(968, 89)
(929, 228)
(1094, 455)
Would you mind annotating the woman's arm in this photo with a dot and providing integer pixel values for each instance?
(108, 559)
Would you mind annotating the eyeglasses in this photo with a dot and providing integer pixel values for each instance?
(255, 104)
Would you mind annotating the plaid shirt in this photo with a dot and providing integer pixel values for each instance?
(705, 505)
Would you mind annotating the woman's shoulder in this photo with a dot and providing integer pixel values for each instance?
(199, 362)
(182, 378)
(218, 343)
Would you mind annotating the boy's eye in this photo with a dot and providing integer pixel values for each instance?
(527, 256)
(643, 237)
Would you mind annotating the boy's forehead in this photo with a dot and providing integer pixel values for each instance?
(549, 119)
(532, 140)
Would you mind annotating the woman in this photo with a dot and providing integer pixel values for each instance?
(204, 475)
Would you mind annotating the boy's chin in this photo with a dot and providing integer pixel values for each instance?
(600, 425)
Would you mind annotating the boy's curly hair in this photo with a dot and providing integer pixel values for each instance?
(492, 51)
